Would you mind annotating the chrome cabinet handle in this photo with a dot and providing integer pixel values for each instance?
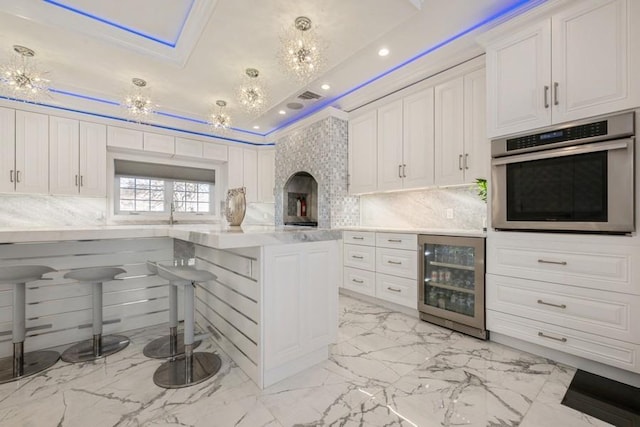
(357, 281)
(555, 93)
(394, 289)
(357, 238)
(17, 176)
(546, 97)
(399, 171)
(460, 162)
(81, 181)
(466, 161)
(11, 175)
(543, 335)
(394, 240)
(357, 257)
(76, 180)
(544, 261)
(551, 304)
(394, 262)
(404, 171)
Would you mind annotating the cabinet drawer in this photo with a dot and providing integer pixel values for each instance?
(609, 314)
(589, 265)
(601, 349)
(397, 262)
(359, 281)
(360, 256)
(397, 241)
(367, 238)
(397, 289)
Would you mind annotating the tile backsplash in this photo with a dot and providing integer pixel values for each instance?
(21, 210)
(438, 208)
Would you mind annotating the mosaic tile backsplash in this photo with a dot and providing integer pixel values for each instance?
(425, 209)
(321, 150)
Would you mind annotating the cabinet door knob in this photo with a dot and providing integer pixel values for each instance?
(546, 97)
(555, 93)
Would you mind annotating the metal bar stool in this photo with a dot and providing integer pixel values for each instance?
(99, 346)
(23, 364)
(190, 368)
(171, 345)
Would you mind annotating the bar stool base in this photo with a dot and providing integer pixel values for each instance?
(172, 373)
(34, 362)
(160, 347)
(83, 351)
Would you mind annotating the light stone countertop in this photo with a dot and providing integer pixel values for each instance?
(212, 235)
(430, 231)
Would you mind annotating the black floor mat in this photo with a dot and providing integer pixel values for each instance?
(605, 399)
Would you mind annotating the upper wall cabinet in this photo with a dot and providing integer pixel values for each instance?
(577, 63)
(405, 142)
(266, 175)
(363, 134)
(78, 157)
(24, 149)
(124, 138)
(242, 171)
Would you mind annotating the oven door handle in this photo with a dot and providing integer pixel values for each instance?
(565, 151)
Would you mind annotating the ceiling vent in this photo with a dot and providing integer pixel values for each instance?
(309, 95)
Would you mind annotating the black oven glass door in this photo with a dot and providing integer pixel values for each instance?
(568, 188)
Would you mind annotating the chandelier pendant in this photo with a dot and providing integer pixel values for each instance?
(302, 51)
(220, 122)
(21, 79)
(138, 103)
(252, 94)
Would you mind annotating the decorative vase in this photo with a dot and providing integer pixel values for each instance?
(236, 206)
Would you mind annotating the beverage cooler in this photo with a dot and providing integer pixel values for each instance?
(451, 283)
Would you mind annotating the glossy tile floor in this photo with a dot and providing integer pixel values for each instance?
(387, 369)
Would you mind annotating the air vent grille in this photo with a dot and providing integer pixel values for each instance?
(309, 95)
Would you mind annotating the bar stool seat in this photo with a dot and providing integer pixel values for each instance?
(190, 368)
(22, 364)
(99, 346)
(171, 345)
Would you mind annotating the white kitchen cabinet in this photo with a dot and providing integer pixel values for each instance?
(78, 157)
(160, 144)
(243, 171)
(390, 159)
(461, 147)
(7, 150)
(93, 159)
(212, 151)
(188, 148)
(449, 132)
(363, 153)
(266, 175)
(382, 265)
(405, 142)
(124, 138)
(32, 153)
(578, 63)
(235, 168)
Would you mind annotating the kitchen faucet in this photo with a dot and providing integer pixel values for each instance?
(172, 209)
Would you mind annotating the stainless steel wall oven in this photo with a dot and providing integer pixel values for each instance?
(576, 177)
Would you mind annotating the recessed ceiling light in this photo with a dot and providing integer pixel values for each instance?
(325, 87)
(256, 127)
(282, 112)
(383, 52)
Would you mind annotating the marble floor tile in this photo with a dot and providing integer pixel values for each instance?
(386, 369)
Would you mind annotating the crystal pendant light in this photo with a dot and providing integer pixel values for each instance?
(302, 51)
(252, 94)
(138, 102)
(21, 79)
(220, 122)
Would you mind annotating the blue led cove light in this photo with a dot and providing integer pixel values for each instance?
(169, 43)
